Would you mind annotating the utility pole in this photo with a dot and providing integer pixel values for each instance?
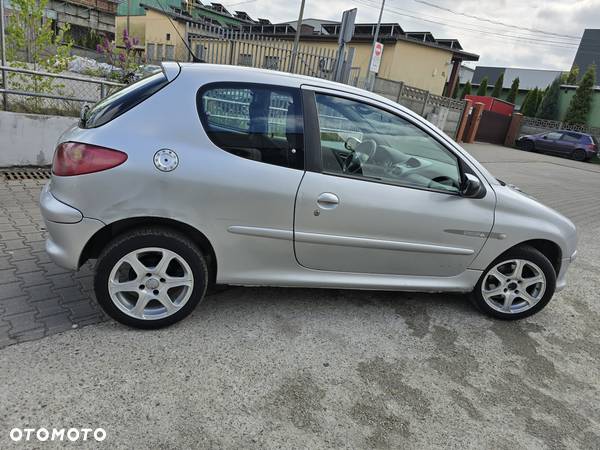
(371, 75)
(296, 39)
(3, 56)
(128, 14)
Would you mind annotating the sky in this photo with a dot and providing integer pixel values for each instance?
(538, 34)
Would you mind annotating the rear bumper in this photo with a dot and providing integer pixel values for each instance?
(68, 230)
(66, 241)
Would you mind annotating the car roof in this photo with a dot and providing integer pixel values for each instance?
(267, 76)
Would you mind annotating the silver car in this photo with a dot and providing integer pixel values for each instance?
(206, 174)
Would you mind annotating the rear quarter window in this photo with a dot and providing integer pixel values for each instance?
(122, 101)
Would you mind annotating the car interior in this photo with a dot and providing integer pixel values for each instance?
(381, 146)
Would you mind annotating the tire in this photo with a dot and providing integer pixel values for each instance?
(527, 299)
(528, 146)
(169, 279)
(579, 155)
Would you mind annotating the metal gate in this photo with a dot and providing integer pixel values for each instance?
(492, 127)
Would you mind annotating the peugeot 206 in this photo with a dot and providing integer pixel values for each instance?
(206, 174)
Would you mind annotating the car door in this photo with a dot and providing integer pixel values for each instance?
(549, 142)
(392, 207)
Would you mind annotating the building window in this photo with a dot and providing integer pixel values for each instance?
(150, 49)
(168, 36)
(245, 59)
(271, 62)
(169, 52)
(256, 122)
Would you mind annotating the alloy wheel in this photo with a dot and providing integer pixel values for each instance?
(150, 283)
(513, 286)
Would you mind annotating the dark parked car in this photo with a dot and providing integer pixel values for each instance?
(576, 145)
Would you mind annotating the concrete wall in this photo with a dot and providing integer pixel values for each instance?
(29, 139)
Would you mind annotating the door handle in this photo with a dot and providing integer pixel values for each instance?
(327, 200)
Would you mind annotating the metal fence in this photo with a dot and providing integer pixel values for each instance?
(31, 91)
(251, 50)
(532, 125)
(444, 112)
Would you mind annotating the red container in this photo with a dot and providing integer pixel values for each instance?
(493, 104)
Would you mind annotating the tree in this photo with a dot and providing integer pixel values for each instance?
(498, 86)
(573, 74)
(579, 107)
(514, 90)
(125, 60)
(549, 107)
(31, 43)
(538, 100)
(482, 90)
(466, 90)
(530, 103)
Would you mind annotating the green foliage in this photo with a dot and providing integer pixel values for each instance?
(514, 90)
(29, 36)
(482, 90)
(125, 58)
(549, 106)
(498, 86)
(581, 103)
(529, 105)
(572, 76)
(466, 90)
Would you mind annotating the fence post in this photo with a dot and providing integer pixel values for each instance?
(513, 130)
(425, 104)
(102, 91)
(462, 122)
(400, 91)
(477, 111)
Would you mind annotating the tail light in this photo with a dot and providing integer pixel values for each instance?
(592, 147)
(75, 158)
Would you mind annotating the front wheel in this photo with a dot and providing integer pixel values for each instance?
(150, 278)
(517, 284)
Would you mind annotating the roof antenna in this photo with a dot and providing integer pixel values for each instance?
(194, 57)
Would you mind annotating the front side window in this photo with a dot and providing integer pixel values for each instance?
(257, 122)
(553, 135)
(367, 142)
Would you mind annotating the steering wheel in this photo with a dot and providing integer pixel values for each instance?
(445, 180)
(360, 155)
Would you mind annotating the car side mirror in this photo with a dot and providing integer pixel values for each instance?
(544, 137)
(471, 186)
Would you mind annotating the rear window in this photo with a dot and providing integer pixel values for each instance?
(113, 106)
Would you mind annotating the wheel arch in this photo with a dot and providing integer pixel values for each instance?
(101, 238)
(549, 249)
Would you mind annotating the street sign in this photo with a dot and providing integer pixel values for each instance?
(376, 61)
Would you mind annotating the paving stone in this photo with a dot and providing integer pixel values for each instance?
(16, 305)
(22, 323)
(7, 275)
(49, 307)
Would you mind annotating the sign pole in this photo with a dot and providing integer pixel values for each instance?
(296, 39)
(371, 75)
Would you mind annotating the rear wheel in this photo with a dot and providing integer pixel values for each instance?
(517, 284)
(150, 278)
(579, 155)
